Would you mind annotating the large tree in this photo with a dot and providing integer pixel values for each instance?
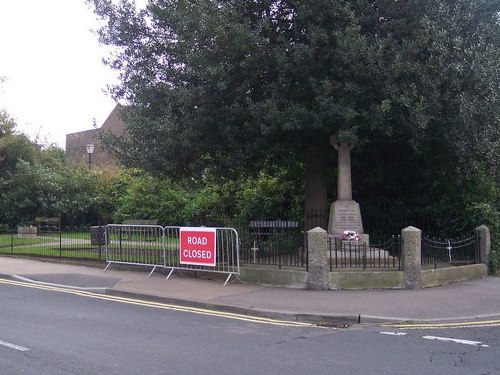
(231, 84)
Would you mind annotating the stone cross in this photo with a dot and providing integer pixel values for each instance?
(344, 187)
(345, 214)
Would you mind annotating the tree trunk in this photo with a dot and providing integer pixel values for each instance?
(315, 184)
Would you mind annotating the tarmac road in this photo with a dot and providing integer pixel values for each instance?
(464, 301)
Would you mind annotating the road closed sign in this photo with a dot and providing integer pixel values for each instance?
(198, 246)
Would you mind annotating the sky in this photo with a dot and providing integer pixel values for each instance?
(55, 80)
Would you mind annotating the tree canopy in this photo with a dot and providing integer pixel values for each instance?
(227, 85)
(36, 181)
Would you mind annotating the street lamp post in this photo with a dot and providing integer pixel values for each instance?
(90, 150)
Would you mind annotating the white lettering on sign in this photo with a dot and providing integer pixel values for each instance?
(197, 254)
(197, 240)
(198, 246)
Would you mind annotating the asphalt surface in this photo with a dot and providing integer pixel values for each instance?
(468, 300)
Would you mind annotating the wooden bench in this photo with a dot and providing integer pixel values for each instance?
(278, 224)
(261, 228)
(48, 224)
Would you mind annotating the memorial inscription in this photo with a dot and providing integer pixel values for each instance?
(345, 215)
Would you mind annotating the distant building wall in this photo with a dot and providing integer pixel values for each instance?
(76, 143)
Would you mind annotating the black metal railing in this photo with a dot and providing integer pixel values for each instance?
(357, 254)
(449, 252)
(70, 243)
(277, 246)
(264, 240)
(279, 243)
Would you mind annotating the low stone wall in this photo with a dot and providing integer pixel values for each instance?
(296, 278)
(412, 276)
(367, 280)
(357, 279)
(449, 275)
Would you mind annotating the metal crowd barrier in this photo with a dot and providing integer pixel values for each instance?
(135, 245)
(174, 248)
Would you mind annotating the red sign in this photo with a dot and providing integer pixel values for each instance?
(198, 246)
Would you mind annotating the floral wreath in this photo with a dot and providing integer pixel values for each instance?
(349, 235)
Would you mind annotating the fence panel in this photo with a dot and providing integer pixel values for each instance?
(274, 242)
(68, 244)
(174, 248)
(352, 254)
(8, 241)
(441, 253)
(191, 248)
(135, 245)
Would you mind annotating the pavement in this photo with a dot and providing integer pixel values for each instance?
(464, 301)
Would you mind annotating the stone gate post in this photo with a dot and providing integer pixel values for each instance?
(319, 271)
(411, 250)
(483, 232)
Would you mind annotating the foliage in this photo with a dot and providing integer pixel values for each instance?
(207, 80)
(36, 189)
(226, 96)
(14, 147)
(271, 196)
(483, 207)
(7, 123)
(224, 86)
(36, 181)
(490, 216)
(148, 197)
(143, 196)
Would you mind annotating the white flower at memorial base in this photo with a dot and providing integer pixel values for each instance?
(349, 235)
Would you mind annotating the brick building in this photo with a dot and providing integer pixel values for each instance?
(76, 150)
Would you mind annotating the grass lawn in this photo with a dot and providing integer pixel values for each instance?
(67, 245)
(91, 254)
(8, 240)
(75, 245)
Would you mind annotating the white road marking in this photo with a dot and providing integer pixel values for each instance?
(394, 333)
(13, 346)
(458, 341)
(470, 324)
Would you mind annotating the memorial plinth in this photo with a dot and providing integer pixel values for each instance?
(346, 216)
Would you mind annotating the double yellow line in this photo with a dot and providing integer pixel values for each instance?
(474, 324)
(158, 305)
